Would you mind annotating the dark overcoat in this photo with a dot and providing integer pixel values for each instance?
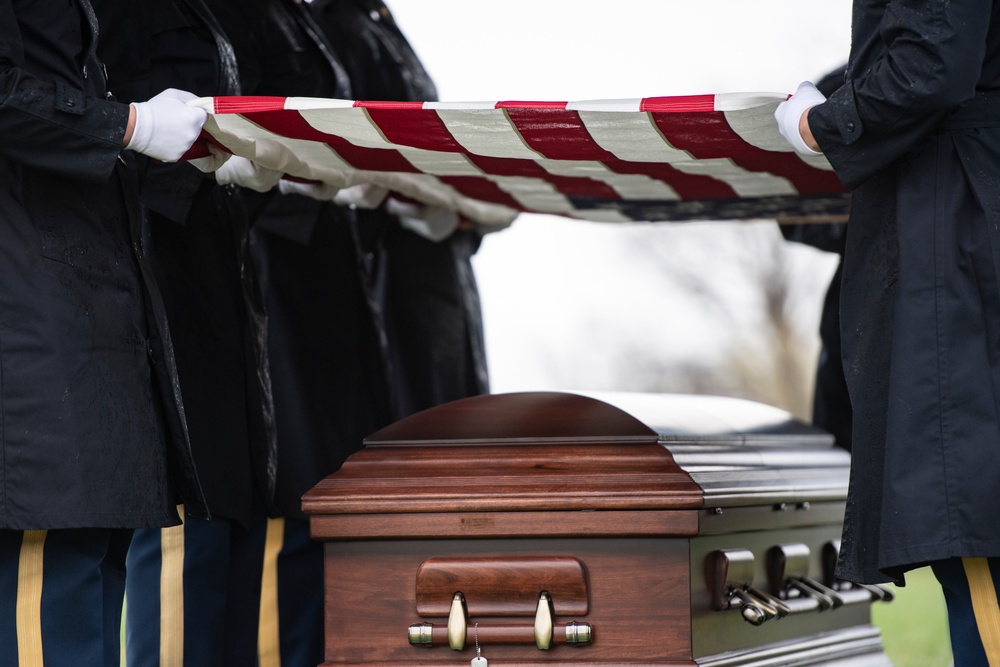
(90, 417)
(915, 132)
(198, 244)
(325, 339)
(427, 290)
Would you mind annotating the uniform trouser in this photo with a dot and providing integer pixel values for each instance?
(193, 593)
(970, 591)
(291, 617)
(61, 596)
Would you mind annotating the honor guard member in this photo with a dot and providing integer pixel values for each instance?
(324, 342)
(913, 132)
(193, 591)
(421, 258)
(92, 444)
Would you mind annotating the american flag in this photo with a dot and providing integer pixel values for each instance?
(651, 159)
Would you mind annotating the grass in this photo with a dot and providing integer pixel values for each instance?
(915, 625)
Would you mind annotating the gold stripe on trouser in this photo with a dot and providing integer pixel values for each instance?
(29, 599)
(984, 606)
(172, 595)
(268, 635)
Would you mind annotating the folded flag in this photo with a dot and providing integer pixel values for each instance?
(651, 159)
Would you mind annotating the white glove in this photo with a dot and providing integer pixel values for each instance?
(789, 113)
(319, 190)
(435, 223)
(165, 126)
(249, 174)
(215, 159)
(363, 195)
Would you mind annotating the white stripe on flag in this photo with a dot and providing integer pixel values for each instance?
(487, 133)
(631, 137)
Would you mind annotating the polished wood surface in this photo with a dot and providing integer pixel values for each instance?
(522, 416)
(506, 478)
(502, 585)
(639, 600)
(470, 525)
(508, 453)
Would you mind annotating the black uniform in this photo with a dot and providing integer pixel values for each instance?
(325, 343)
(82, 326)
(198, 239)
(85, 360)
(427, 290)
(913, 132)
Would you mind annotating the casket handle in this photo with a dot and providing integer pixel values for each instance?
(458, 626)
(851, 593)
(788, 575)
(544, 632)
(544, 626)
(729, 574)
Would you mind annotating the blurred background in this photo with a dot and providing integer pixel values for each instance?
(715, 307)
(712, 307)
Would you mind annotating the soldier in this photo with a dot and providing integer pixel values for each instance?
(92, 442)
(325, 344)
(913, 133)
(422, 258)
(193, 591)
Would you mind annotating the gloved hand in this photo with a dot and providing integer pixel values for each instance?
(363, 195)
(215, 159)
(435, 223)
(249, 174)
(789, 113)
(165, 126)
(318, 190)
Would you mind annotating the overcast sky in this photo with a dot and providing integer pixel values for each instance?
(560, 295)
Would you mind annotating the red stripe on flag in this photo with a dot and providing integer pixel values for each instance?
(557, 134)
(562, 135)
(388, 104)
(502, 166)
(476, 187)
(687, 186)
(291, 124)
(248, 104)
(679, 104)
(708, 136)
(530, 105)
(805, 178)
(415, 127)
(567, 185)
(704, 135)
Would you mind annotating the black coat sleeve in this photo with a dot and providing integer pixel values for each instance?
(923, 60)
(134, 36)
(53, 125)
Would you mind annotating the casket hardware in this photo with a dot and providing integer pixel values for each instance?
(730, 574)
(544, 633)
(850, 592)
(543, 622)
(474, 587)
(788, 577)
(458, 625)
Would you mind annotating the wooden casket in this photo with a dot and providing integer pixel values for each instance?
(591, 529)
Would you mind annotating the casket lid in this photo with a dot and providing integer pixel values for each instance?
(559, 451)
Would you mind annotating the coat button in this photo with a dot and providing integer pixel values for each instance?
(850, 127)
